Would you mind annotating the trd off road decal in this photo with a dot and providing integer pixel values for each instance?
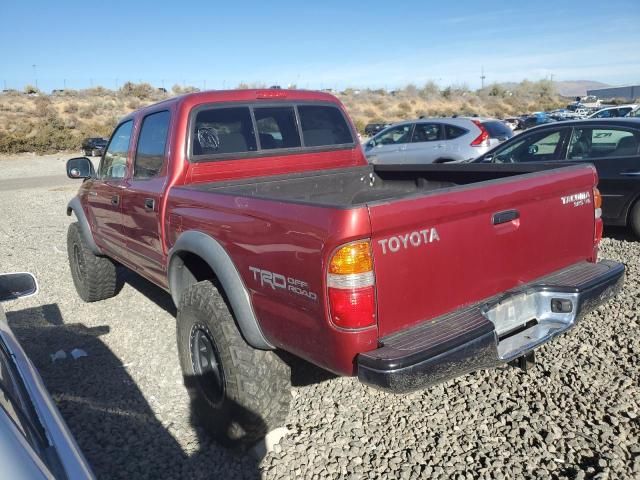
(280, 282)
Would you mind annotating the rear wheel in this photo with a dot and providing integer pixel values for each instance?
(238, 393)
(634, 219)
(94, 277)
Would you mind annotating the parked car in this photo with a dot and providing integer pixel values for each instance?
(270, 230)
(372, 128)
(435, 140)
(614, 112)
(611, 145)
(94, 146)
(515, 123)
(634, 113)
(35, 442)
(538, 118)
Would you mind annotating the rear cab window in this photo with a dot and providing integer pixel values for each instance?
(257, 130)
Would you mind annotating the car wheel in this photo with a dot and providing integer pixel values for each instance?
(94, 277)
(634, 219)
(238, 393)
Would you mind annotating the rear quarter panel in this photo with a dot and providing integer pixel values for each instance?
(288, 239)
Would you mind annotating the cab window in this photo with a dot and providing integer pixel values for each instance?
(224, 130)
(114, 162)
(151, 145)
(277, 127)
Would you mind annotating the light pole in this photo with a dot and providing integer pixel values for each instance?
(35, 73)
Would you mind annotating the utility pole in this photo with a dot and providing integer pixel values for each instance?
(64, 83)
(35, 74)
(482, 76)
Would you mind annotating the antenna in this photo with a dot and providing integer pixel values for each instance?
(482, 76)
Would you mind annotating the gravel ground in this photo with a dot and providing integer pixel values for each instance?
(574, 415)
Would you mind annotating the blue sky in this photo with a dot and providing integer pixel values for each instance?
(328, 44)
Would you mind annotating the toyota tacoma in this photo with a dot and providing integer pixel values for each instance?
(257, 211)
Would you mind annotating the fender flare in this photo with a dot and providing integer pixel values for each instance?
(220, 262)
(76, 207)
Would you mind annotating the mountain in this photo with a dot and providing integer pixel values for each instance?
(575, 88)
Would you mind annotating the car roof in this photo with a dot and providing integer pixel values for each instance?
(240, 96)
(618, 121)
(458, 121)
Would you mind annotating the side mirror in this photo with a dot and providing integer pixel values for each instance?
(487, 159)
(533, 149)
(80, 167)
(16, 285)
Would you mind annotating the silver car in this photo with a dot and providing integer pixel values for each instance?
(35, 442)
(436, 140)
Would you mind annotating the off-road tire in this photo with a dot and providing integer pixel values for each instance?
(256, 384)
(94, 277)
(634, 219)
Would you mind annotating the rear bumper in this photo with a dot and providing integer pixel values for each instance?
(492, 332)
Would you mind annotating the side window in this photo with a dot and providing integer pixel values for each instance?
(322, 125)
(151, 145)
(538, 147)
(114, 162)
(451, 131)
(602, 142)
(394, 135)
(223, 130)
(277, 127)
(427, 132)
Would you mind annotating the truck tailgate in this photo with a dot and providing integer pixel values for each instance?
(438, 252)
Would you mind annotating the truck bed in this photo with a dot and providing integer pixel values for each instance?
(355, 187)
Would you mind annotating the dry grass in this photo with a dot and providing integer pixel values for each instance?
(48, 123)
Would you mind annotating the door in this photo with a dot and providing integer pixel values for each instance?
(142, 197)
(614, 152)
(105, 197)
(389, 146)
(427, 144)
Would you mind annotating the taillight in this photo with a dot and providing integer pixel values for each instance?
(481, 140)
(597, 209)
(351, 286)
(597, 202)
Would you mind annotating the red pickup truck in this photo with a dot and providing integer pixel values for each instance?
(257, 211)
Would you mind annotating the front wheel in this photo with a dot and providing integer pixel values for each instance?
(94, 277)
(239, 393)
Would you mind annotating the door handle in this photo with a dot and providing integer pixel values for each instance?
(115, 200)
(149, 204)
(504, 217)
(631, 173)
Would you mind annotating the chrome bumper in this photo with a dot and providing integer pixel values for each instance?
(492, 332)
